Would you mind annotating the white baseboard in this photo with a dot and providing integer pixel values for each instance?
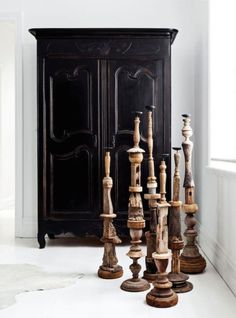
(218, 257)
(27, 228)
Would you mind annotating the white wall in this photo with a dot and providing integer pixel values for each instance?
(7, 114)
(180, 14)
(216, 185)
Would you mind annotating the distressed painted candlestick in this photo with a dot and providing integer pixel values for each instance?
(191, 261)
(150, 273)
(136, 221)
(162, 295)
(109, 268)
(176, 243)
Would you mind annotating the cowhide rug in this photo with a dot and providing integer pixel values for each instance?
(20, 278)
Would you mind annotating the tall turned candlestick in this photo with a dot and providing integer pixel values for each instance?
(191, 261)
(109, 268)
(136, 221)
(151, 271)
(176, 243)
(162, 295)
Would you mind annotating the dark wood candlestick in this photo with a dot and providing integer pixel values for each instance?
(150, 273)
(162, 295)
(191, 261)
(109, 268)
(176, 243)
(136, 221)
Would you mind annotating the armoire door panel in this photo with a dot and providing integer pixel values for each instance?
(71, 188)
(72, 113)
(72, 102)
(71, 99)
(133, 84)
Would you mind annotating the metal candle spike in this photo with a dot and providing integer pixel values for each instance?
(176, 243)
(136, 221)
(151, 271)
(109, 268)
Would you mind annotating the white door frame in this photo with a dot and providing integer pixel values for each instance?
(16, 18)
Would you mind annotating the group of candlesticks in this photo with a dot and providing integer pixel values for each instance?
(163, 238)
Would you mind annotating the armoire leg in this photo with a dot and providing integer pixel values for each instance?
(41, 240)
(51, 236)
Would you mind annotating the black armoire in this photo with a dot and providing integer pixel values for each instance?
(89, 81)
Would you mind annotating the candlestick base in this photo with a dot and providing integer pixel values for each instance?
(162, 295)
(135, 285)
(110, 273)
(161, 301)
(179, 281)
(192, 265)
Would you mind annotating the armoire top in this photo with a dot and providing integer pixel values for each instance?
(101, 32)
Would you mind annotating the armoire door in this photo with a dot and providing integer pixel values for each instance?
(70, 145)
(132, 85)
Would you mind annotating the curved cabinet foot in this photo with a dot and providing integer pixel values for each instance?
(41, 240)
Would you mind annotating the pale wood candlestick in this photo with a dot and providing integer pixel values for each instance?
(162, 295)
(176, 243)
(109, 268)
(136, 221)
(150, 273)
(191, 261)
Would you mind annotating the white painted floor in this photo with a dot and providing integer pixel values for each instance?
(94, 297)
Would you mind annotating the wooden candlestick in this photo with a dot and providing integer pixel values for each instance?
(162, 295)
(176, 243)
(136, 221)
(109, 268)
(191, 261)
(150, 273)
